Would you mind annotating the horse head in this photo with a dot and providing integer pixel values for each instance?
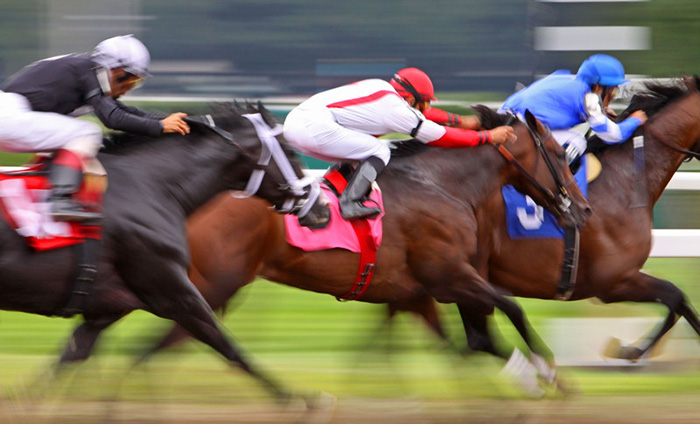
(540, 169)
(276, 171)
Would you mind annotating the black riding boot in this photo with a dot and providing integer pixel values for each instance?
(65, 181)
(351, 206)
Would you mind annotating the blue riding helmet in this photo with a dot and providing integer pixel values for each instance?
(602, 69)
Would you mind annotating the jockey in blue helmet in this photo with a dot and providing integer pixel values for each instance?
(562, 101)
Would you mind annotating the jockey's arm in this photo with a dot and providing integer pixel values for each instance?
(407, 120)
(447, 137)
(609, 131)
(116, 115)
(449, 119)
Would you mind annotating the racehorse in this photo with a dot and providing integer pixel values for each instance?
(155, 183)
(616, 240)
(432, 233)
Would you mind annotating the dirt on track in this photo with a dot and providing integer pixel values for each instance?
(673, 409)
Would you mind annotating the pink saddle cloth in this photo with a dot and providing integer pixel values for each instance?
(339, 233)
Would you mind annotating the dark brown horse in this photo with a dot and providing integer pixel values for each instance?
(616, 240)
(143, 259)
(432, 234)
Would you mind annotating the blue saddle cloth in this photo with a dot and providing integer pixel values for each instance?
(525, 219)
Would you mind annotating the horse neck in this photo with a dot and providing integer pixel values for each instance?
(189, 170)
(677, 126)
(464, 175)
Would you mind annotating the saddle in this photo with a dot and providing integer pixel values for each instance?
(361, 236)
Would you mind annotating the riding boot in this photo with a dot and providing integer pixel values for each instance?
(351, 206)
(65, 181)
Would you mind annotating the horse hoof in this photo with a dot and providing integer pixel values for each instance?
(320, 408)
(616, 350)
(524, 373)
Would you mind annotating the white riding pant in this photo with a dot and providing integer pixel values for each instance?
(25, 131)
(573, 142)
(315, 133)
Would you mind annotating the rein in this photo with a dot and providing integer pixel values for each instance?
(678, 149)
(563, 201)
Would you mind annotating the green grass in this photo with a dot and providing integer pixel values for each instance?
(311, 341)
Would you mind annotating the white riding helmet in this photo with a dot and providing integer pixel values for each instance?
(124, 51)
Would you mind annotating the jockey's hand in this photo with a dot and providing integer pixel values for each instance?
(502, 135)
(175, 123)
(639, 114)
(611, 113)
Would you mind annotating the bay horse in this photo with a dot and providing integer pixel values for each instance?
(154, 184)
(432, 233)
(616, 240)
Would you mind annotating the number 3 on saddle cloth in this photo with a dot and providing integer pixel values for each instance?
(525, 219)
(23, 197)
(363, 236)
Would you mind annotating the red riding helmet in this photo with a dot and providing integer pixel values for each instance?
(413, 82)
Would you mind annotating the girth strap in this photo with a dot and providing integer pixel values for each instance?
(570, 265)
(368, 252)
(88, 255)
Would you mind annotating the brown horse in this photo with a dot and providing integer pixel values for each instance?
(432, 234)
(616, 240)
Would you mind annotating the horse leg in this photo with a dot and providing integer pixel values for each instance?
(479, 337)
(645, 288)
(188, 308)
(175, 336)
(425, 308)
(81, 344)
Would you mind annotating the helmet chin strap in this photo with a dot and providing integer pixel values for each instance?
(409, 87)
(103, 78)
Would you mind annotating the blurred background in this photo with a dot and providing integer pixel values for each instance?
(285, 47)
(282, 51)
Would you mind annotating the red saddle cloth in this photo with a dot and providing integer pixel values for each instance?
(363, 236)
(23, 197)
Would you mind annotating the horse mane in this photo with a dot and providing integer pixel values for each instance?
(227, 114)
(488, 117)
(654, 97)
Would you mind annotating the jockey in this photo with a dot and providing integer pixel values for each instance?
(563, 101)
(38, 106)
(343, 124)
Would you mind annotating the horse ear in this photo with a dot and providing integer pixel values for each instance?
(530, 119)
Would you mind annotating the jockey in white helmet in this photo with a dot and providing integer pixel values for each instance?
(38, 106)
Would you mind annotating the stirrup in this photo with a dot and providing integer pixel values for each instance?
(67, 210)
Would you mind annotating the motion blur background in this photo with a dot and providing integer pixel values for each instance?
(273, 47)
(284, 50)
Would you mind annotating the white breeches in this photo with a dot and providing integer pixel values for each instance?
(25, 131)
(315, 133)
(573, 141)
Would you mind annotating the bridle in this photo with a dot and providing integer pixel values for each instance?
(302, 193)
(562, 199)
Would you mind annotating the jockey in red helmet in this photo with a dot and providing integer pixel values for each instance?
(342, 124)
